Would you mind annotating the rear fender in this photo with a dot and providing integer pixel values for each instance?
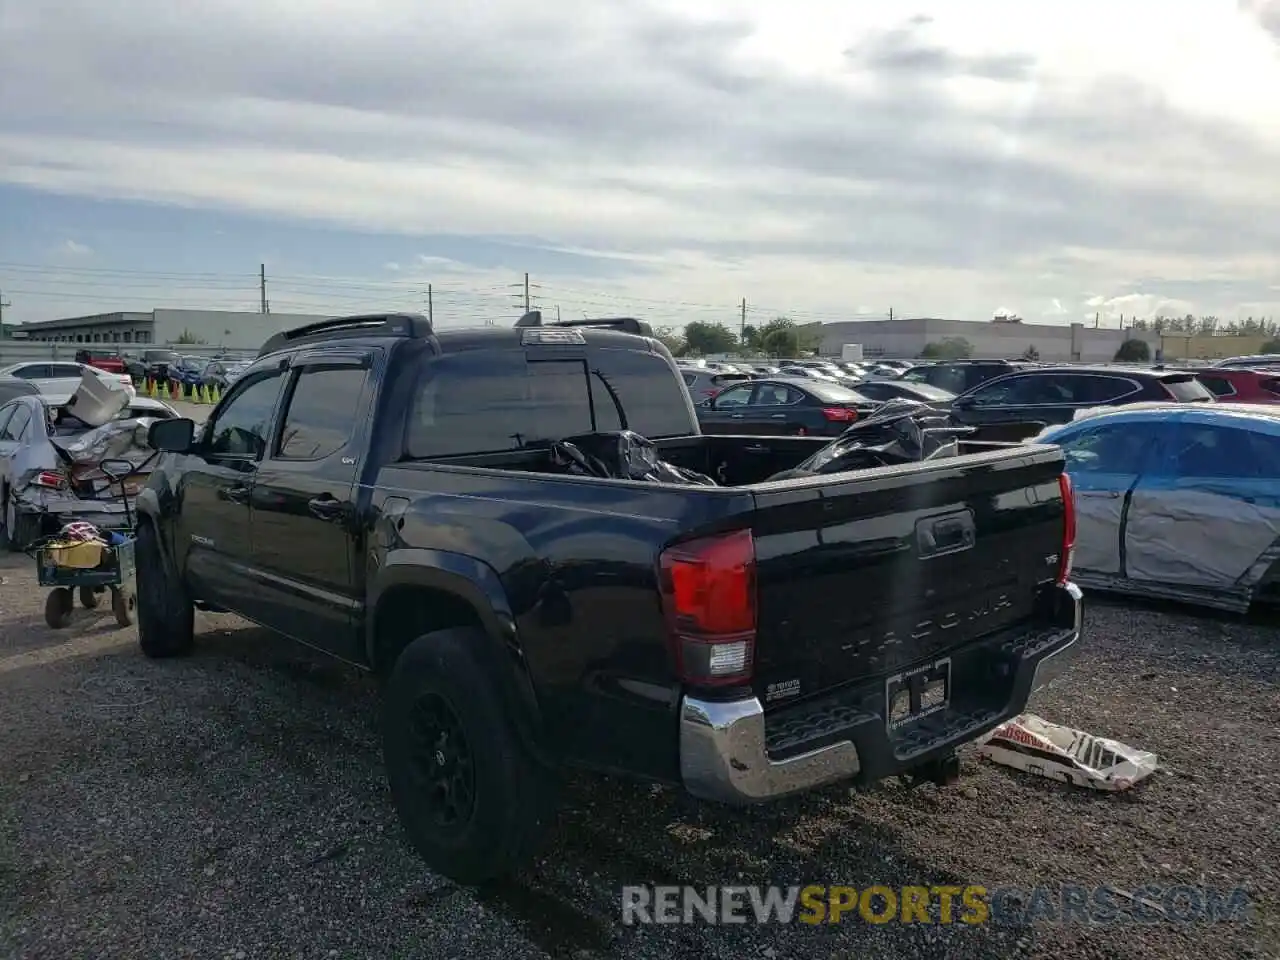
(477, 585)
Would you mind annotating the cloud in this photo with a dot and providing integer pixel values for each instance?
(918, 160)
(905, 51)
(74, 249)
(1266, 13)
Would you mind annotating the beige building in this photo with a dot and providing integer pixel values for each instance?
(1178, 347)
(906, 339)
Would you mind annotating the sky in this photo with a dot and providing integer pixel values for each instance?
(820, 160)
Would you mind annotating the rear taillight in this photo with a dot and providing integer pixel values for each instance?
(49, 478)
(708, 589)
(840, 414)
(1068, 528)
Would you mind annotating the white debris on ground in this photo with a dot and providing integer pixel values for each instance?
(1033, 744)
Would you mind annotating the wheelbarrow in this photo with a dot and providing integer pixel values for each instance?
(90, 568)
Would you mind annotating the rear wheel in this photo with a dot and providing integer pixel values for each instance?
(472, 800)
(166, 615)
(88, 597)
(19, 528)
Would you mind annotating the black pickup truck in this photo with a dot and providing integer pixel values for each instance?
(383, 491)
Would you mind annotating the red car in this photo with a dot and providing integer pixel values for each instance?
(1234, 385)
(110, 362)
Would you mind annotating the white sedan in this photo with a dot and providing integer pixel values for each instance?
(62, 377)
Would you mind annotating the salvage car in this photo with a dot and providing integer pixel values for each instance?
(407, 499)
(45, 478)
(1177, 501)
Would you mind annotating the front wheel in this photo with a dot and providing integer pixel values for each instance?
(472, 800)
(166, 615)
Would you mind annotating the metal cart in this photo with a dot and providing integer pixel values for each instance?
(114, 572)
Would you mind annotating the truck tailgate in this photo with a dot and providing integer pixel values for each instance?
(874, 572)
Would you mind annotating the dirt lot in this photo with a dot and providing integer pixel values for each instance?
(233, 805)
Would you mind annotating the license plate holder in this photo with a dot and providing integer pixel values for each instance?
(914, 694)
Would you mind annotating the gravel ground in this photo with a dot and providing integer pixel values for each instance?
(233, 805)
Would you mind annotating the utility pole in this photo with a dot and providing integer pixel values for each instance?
(3, 303)
(262, 287)
(430, 306)
(557, 313)
(742, 327)
(523, 292)
(891, 313)
(1096, 317)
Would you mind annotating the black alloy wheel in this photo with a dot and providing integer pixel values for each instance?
(442, 762)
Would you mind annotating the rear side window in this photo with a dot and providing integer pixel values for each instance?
(1099, 389)
(642, 382)
(1186, 389)
(491, 401)
(1271, 385)
(1218, 386)
(321, 412)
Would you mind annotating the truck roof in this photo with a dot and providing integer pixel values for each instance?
(620, 332)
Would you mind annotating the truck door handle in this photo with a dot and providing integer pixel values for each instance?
(236, 494)
(778, 416)
(735, 416)
(325, 507)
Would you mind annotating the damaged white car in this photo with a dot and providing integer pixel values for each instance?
(50, 449)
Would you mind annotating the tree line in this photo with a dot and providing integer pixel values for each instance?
(780, 337)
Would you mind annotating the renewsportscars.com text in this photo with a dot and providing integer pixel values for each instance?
(935, 904)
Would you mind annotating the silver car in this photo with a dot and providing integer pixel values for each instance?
(42, 486)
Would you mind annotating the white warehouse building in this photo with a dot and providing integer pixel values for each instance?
(224, 329)
(906, 339)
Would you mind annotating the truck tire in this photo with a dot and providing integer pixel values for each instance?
(472, 800)
(166, 616)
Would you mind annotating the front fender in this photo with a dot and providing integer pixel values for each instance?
(157, 503)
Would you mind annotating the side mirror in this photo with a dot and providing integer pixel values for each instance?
(172, 436)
